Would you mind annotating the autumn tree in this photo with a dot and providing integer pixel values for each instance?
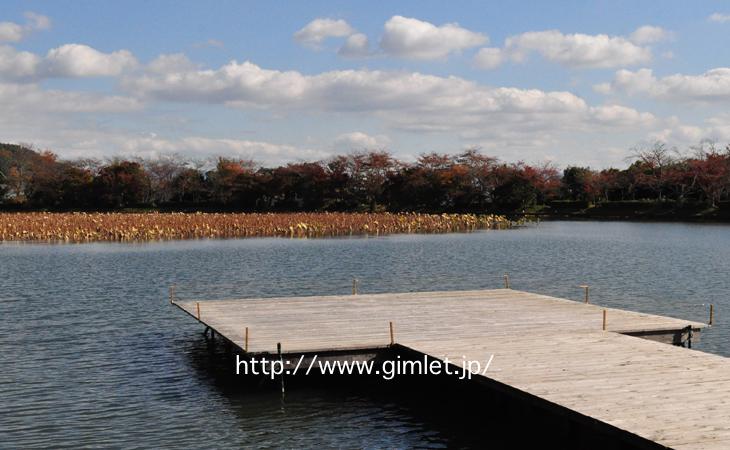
(232, 180)
(575, 181)
(711, 170)
(654, 161)
(120, 184)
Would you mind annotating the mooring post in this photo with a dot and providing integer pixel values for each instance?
(712, 314)
(506, 281)
(172, 294)
(392, 336)
(281, 360)
(354, 286)
(197, 307)
(604, 320)
(585, 288)
(245, 341)
(688, 329)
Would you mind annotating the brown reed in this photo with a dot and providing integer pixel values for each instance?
(130, 227)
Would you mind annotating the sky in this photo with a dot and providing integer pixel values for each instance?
(541, 82)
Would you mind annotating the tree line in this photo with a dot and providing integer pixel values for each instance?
(367, 181)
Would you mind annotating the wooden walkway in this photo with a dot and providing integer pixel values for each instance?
(551, 348)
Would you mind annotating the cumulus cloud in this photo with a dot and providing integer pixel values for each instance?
(316, 31)
(489, 58)
(66, 61)
(263, 152)
(357, 140)
(711, 86)
(415, 39)
(621, 116)
(578, 50)
(403, 100)
(649, 34)
(33, 99)
(356, 46)
(719, 18)
(78, 60)
(15, 65)
(171, 63)
(715, 129)
(13, 32)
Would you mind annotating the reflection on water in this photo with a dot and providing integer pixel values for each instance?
(91, 353)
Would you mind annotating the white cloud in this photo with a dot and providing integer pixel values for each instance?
(70, 142)
(716, 129)
(13, 32)
(649, 34)
(621, 116)
(415, 39)
(356, 46)
(711, 86)
(405, 101)
(316, 31)
(578, 50)
(214, 43)
(37, 21)
(357, 140)
(202, 147)
(15, 65)
(719, 18)
(171, 63)
(66, 61)
(31, 98)
(489, 58)
(78, 60)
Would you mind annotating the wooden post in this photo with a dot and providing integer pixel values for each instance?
(506, 281)
(392, 336)
(245, 341)
(354, 286)
(585, 287)
(197, 306)
(604, 320)
(281, 360)
(712, 314)
(172, 294)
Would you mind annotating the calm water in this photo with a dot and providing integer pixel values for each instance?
(92, 354)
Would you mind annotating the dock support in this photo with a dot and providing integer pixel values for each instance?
(354, 286)
(245, 341)
(585, 287)
(281, 360)
(712, 314)
(689, 336)
(506, 281)
(197, 308)
(604, 320)
(392, 335)
(172, 294)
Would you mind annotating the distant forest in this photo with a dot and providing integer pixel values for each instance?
(368, 181)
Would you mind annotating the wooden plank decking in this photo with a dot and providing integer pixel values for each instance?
(551, 348)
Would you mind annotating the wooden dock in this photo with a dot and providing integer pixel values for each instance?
(553, 349)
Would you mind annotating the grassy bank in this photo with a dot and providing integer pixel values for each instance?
(90, 227)
(634, 210)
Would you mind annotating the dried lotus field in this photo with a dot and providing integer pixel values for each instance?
(129, 227)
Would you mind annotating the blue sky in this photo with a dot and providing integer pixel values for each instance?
(560, 82)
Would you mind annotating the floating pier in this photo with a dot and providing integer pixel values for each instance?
(599, 366)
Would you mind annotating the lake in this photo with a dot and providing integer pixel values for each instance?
(92, 353)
